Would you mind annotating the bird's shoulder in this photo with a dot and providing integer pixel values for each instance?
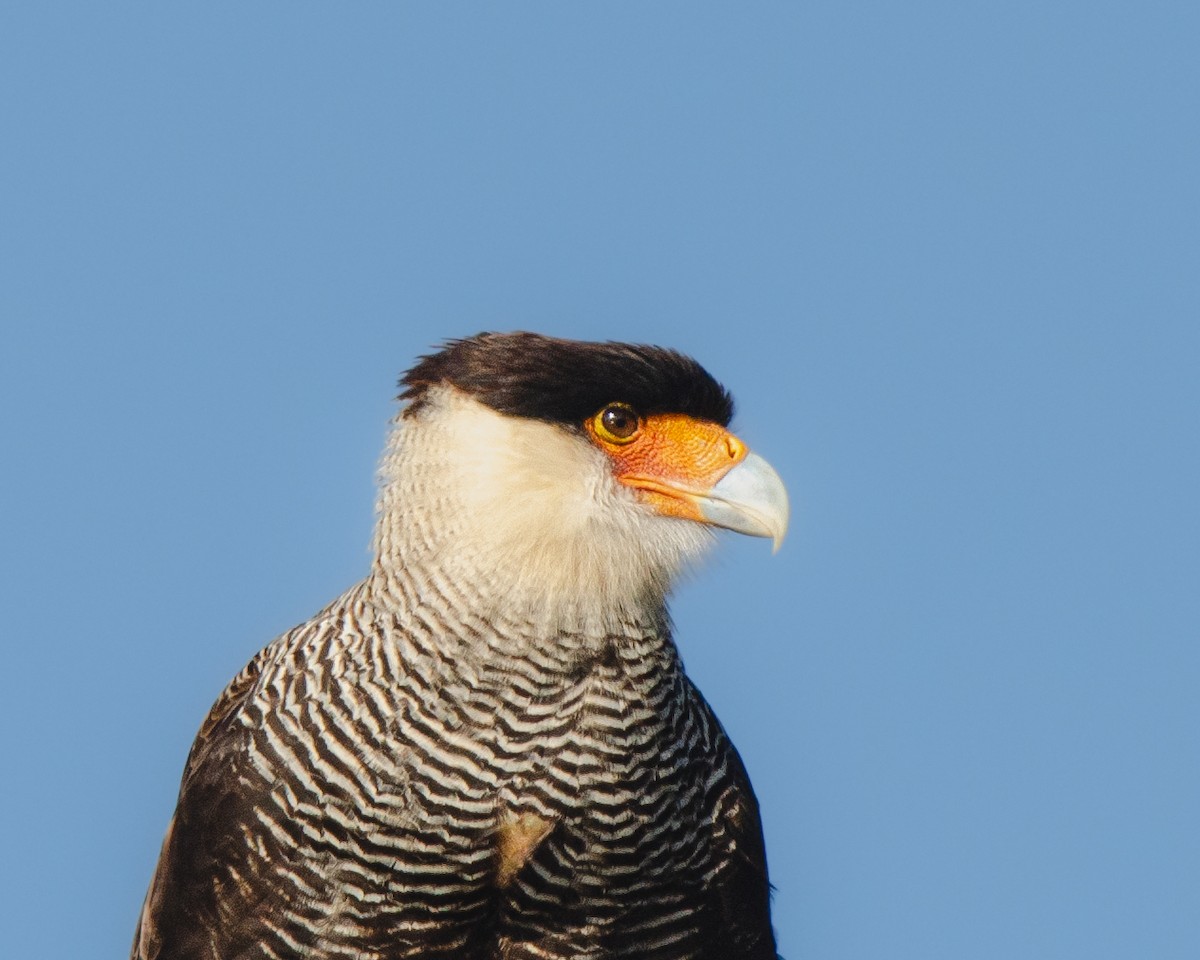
(219, 793)
(311, 653)
(217, 722)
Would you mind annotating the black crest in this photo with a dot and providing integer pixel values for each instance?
(567, 381)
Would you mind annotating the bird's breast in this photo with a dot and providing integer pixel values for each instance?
(558, 787)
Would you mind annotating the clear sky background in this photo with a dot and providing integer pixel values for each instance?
(947, 256)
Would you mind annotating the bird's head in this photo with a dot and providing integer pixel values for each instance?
(556, 469)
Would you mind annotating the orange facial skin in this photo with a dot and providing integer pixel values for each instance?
(671, 460)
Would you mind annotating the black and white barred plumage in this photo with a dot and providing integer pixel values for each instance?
(488, 749)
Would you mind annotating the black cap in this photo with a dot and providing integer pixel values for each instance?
(567, 381)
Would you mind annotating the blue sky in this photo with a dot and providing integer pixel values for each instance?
(947, 256)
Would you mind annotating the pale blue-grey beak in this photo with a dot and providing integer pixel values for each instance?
(750, 499)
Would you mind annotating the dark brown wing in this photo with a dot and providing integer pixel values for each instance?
(741, 891)
(180, 908)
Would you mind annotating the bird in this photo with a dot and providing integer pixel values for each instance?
(488, 749)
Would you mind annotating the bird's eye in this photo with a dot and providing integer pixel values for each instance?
(617, 423)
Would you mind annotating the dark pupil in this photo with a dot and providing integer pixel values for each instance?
(619, 422)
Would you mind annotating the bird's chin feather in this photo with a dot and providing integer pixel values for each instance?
(529, 511)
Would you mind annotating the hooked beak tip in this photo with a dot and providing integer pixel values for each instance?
(749, 499)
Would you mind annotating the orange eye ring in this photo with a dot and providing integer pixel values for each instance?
(617, 423)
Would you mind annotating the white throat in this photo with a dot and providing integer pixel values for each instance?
(523, 514)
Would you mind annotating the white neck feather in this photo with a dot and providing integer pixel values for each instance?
(524, 514)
